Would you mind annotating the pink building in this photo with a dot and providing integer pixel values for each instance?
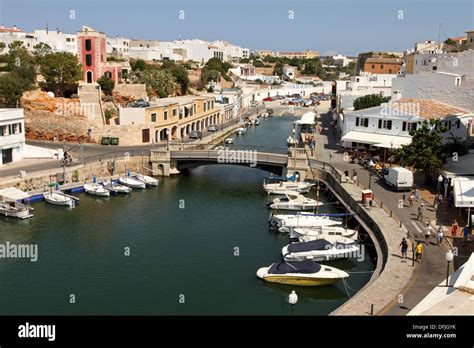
(92, 54)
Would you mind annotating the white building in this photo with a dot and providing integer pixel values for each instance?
(449, 78)
(388, 126)
(118, 46)
(12, 135)
(428, 46)
(341, 60)
(289, 72)
(57, 40)
(6, 38)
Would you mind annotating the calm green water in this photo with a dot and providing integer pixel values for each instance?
(173, 251)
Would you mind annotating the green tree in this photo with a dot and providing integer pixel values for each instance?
(158, 82)
(425, 152)
(208, 75)
(369, 100)
(12, 87)
(106, 84)
(59, 69)
(310, 68)
(40, 51)
(278, 69)
(449, 41)
(21, 62)
(180, 74)
(138, 64)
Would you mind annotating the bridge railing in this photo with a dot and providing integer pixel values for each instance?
(327, 167)
(270, 158)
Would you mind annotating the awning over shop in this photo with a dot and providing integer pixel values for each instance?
(463, 192)
(379, 140)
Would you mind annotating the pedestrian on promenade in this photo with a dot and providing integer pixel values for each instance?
(420, 212)
(454, 228)
(311, 146)
(418, 251)
(427, 233)
(404, 246)
(354, 175)
(346, 174)
(450, 202)
(417, 194)
(466, 232)
(411, 198)
(440, 234)
(404, 196)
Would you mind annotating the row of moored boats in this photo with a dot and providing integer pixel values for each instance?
(313, 238)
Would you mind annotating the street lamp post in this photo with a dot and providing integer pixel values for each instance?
(370, 179)
(167, 139)
(292, 299)
(449, 257)
(391, 151)
(440, 180)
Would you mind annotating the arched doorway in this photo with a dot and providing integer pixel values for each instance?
(89, 77)
(193, 126)
(174, 132)
(157, 136)
(183, 129)
(164, 134)
(188, 127)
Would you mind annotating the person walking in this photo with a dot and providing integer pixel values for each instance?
(346, 174)
(418, 251)
(417, 194)
(466, 232)
(454, 228)
(420, 212)
(404, 196)
(427, 232)
(404, 246)
(440, 234)
(411, 199)
(354, 175)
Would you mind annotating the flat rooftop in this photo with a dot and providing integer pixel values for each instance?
(186, 99)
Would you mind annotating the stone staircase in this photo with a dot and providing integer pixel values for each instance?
(90, 98)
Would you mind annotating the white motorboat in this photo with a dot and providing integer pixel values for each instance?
(330, 233)
(59, 198)
(257, 122)
(148, 180)
(291, 141)
(301, 273)
(320, 250)
(116, 187)
(131, 182)
(264, 114)
(283, 187)
(284, 223)
(229, 141)
(15, 209)
(294, 201)
(241, 130)
(96, 190)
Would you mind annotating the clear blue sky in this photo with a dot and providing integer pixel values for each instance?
(342, 26)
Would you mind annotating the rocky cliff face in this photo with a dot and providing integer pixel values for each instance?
(51, 118)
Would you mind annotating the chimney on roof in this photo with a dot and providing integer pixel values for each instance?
(47, 28)
(57, 30)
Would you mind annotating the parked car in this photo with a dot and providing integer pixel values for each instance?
(268, 99)
(308, 102)
(253, 103)
(399, 178)
(212, 128)
(279, 97)
(195, 135)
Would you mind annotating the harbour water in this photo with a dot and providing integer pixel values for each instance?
(195, 243)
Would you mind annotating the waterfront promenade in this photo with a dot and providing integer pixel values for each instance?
(432, 269)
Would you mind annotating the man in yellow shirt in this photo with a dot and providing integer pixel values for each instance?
(418, 251)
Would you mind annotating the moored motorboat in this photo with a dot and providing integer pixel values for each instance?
(241, 130)
(322, 232)
(96, 190)
(131, 182)
(294, 201)
(14, 209)
(148, 180)
(301, 273)
(59, 198)
(257, 121)
(116, 187)
(283, 187)
(284, 223)
(229, 141)
(320, 250)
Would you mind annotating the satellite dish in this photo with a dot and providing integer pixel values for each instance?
(51, 94)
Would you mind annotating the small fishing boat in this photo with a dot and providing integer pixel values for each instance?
(229, 141)
(131, 182)
(301, 273)
(116, 187)
(284, 223)
(257, 121)
(320, 250)
(322, 232)
(59, 198)
(291, 141)
(96, 190)
(283, 187)
(14, 209)
(148, 180)
(294, 201)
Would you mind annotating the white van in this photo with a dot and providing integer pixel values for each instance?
(399, 179)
